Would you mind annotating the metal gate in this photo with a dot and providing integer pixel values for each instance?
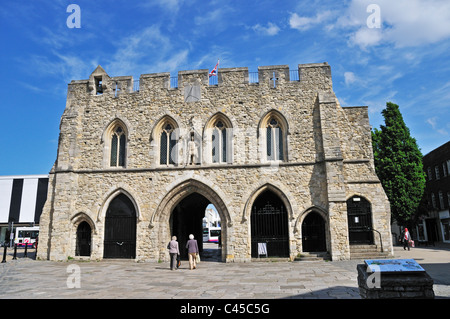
(313, 233)
(359, 215)
(269, 225)
(83, 246)
(120, 229)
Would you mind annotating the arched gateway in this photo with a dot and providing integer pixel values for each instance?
(181, 211)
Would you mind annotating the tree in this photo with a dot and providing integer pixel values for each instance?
(398, 164)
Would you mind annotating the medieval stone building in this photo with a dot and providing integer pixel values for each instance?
(282, 162)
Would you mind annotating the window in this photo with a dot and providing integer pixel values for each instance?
(118, 141)
(219, 143)
(436, 169)
(441, 199)
(218, 137)
(274, 140)
(430, 175)
(167, 145)
(444, 169)
(448, 166)
(98, 86)
(433, 200)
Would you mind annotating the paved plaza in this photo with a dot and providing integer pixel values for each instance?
(126, 279)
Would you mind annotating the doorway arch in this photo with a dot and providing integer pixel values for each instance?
(83, 241)
(313, 233)
(359, 216)
(184, 193)
(269, 226)
(120, 228)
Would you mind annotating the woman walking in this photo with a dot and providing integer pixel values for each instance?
(406, 239)
(174, 252)
(192, 248)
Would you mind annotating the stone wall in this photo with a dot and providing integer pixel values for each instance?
(328, 158)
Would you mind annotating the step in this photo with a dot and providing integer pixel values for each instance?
(367, 252)
(313, 256)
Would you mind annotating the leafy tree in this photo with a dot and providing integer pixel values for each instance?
(398, 164)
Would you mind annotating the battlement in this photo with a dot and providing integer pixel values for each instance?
(317, 75)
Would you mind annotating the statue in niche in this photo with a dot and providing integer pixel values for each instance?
(192, 149)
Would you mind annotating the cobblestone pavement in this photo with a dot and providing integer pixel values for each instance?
(27, 278)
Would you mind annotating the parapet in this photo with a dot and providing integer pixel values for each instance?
(315, 76)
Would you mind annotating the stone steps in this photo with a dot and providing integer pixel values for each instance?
(367, 252)
(313, 256)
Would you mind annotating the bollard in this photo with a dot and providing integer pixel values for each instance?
(25, 253)
(4, 254)
(15, 252)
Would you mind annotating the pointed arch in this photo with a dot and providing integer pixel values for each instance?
(267, 186)
(113, 194)
(176, 193)
(115, 140)
(165, 136)
(272, 134)
(218, 137)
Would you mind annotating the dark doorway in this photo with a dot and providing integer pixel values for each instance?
(359, 215)
(83, 246)
(313, 233)
(120, 229)
(186, 219)
(269, 225)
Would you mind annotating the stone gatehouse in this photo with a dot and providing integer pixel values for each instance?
(282, 162)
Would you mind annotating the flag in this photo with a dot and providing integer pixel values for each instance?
(214, 71)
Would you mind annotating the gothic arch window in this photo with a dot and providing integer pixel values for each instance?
(166, 135)
(219, 139)
(118, 147)
(115, 151)
(273, 130)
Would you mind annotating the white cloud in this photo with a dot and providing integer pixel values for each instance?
(271, 29)
(305, 23)
(404, 23)
(349, 77)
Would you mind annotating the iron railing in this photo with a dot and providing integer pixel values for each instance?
(173, 82)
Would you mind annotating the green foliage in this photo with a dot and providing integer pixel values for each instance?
(398, 164)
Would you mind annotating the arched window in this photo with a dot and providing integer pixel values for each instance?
(274, 140)
(218, 137)
(118, 147)
(273, 130)
(219, 143)
(167, 144)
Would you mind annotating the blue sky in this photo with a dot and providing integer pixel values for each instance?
(402, 57)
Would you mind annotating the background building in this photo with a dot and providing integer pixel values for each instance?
(436, 226)
(21, 201)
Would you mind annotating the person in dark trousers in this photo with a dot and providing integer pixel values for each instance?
(406, 238)
(192, 248)
(174, 252)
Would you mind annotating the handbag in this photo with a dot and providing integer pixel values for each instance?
(178, 261)
(197, 258)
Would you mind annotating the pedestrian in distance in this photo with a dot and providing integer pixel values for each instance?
(406, 239)
(192, 248)
(174, 252)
